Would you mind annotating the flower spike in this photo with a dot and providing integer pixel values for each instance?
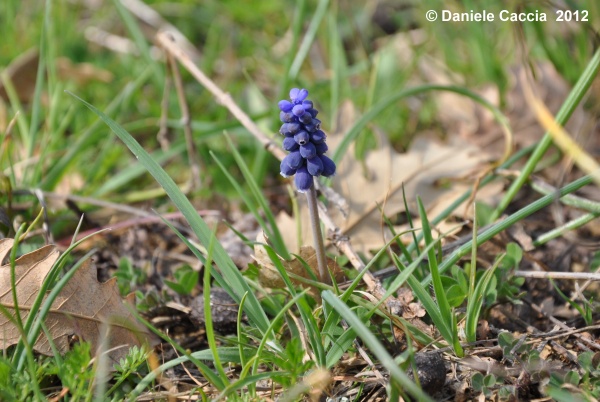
(305, 141)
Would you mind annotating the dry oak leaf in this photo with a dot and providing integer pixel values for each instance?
(85, 308)
(378, 181)
(269, 276)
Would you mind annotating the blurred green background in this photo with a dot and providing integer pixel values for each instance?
(256, 51)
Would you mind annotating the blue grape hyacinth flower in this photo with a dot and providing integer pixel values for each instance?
(304, 140)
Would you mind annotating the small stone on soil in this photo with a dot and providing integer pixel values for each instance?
(431, 371)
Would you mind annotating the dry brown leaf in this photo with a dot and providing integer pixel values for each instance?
(458, 114)
(461, 116)
(472, 122)
(22, 73)
(379, 179)
(84, 309)
(269, 276)
(420, 170)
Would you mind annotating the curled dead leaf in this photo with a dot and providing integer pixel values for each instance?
(269, 276)
(84, 309)
(405, 295)
(413, 310)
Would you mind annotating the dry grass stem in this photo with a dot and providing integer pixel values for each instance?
(186, 122)
(591, 276)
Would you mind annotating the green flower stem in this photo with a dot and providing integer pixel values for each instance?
(592, 207)
(563, 115)
(311, 197)
(484, 182)
(571, 200)
(506, 223)
(571, 225)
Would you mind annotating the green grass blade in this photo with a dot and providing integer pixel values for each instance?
(432, 308)
(230, 272)
(138, 37)
(279, 316)
(587, 318)
(475, 302)
(274, 234)
(332, 320)
(42, 303)
(473, 266)
(26, 353)
(243, 194)
(207, 372)
(311, 32)
(410, 222)
(440, 294)
(242, 339)
(485, 181)
(383, 104)
(336, 61)
(563, 115)
(208, 322)
(33, 332)
(218, 278)
(39, 82)
(17, 107)
(339, 346)
(406, 272)
(228, 354)
(314, 333)
(399, 243)
(376, 347)
(88, 137)
(247, 381)
(506, 223)
(134, 171)
(297, 25)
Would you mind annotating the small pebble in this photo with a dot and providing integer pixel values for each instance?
(223, 308)
(431, 371)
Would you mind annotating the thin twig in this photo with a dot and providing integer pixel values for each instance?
(567, 227)
(92, 201)
(186, 122)
(570, 199)
(139, 222)
(168, 43)
(162, 136)
(107, 204)
(562, 325)
(568, 332)
(559, 275)
(116, 43)
(150, 17)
